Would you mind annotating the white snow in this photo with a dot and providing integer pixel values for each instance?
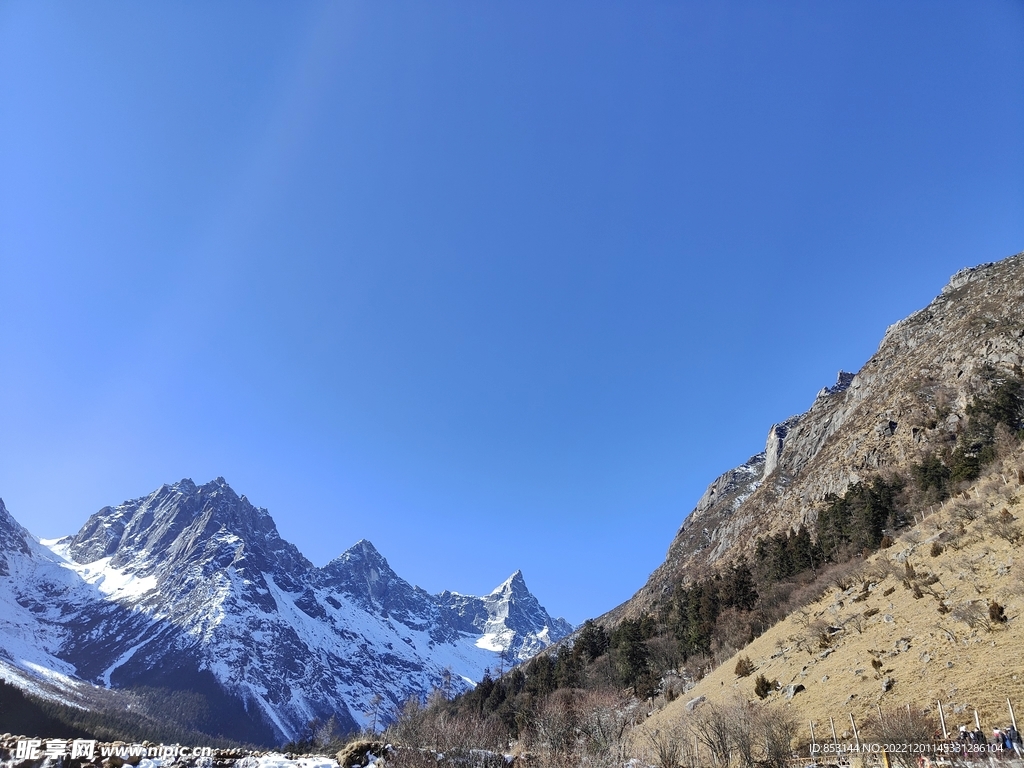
(110, 581)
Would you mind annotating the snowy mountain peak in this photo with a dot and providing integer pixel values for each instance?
(193, 582)
(183, 524)
(362, 573)
(513, 585)
(13, 538)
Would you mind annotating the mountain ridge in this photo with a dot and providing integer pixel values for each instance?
(911, 396)
(194, 583)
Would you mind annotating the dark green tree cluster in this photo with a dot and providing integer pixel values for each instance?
(632, 655)
(27, 714)
(787, 554)
(1003, 406)
(512, 699)
(857, 521)
(695, 609)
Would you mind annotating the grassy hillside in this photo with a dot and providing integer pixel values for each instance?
(912, 624)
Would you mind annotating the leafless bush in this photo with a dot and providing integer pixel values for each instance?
(957, 537)
(778, 728)
(557, 722)
(732, 633)
(697, 666)
(973, 614)
(1007, 531)
(857, 622)
(710, 725)
(804, 594)
(820, 629)
(966, 512)
(902, 726)
(439, 731)
(882, 568)
(743, 734)
(847, 574)
(912, 537)
(607, 716)
(667, 745)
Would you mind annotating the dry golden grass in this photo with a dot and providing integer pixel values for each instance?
(926, 628)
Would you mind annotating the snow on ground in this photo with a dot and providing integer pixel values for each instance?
(276, 760)
(272, 760)
(110, 581)
(33, 679)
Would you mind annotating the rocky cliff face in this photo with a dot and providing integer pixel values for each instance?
(192, 588)
(909, 398)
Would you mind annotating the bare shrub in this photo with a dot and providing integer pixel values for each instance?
(1007, 531)
(778, 727)
(607, 716)
(966, 512)
(663, 652)
(733, 631)
(973, 614)
(936, 549)
(742, 718)
(557, 722)
(883, 568)
(667, 745)
(957, 537)
(697, 666)
(710, 725)
(739, 733)
(900, 726)
(857, 622)
(845, 575)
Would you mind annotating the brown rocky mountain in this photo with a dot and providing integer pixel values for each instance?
(912, 625)
(909, 399)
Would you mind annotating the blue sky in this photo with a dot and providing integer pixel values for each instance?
(495, 286)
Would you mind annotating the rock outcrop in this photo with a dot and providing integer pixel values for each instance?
(909, 398)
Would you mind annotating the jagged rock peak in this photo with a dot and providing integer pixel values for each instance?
(182, 522)
(194, 578)
(361, 556)
(13, 538)
(514, 585)
(907, 401)
(362, 573)
(843, 381)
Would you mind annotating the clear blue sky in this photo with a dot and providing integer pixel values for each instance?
(493, 285)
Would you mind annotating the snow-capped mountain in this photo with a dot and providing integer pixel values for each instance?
(192, 588)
